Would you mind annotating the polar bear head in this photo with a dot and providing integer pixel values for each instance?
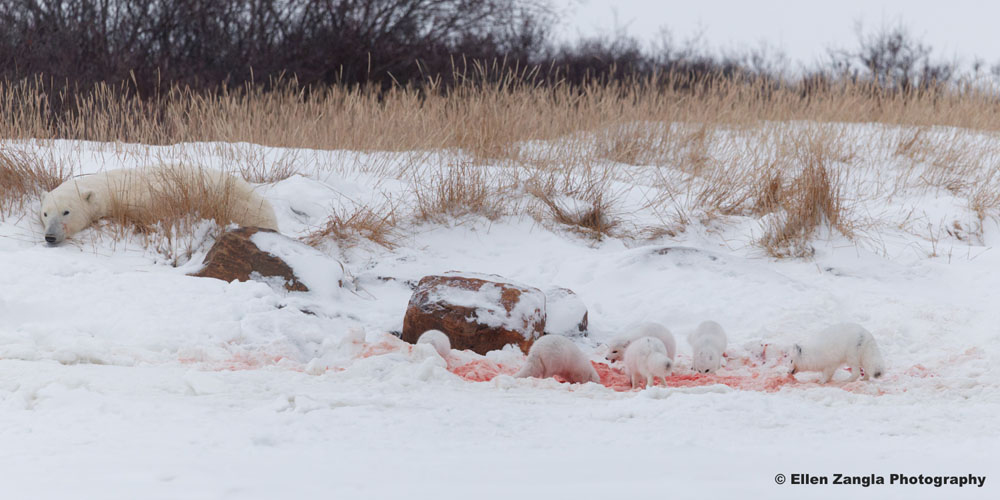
(66, 210)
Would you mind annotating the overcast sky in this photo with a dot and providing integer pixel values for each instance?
(802, 29)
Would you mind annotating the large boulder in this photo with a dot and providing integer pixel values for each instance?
(477, 312)
(251, 253)
(565, 313)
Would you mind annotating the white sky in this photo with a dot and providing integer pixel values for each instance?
(802, 29)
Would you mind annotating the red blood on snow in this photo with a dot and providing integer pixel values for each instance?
(749, 376)
(612, 378)
(615, 378)
(248, 361)
(383, 347)
(480, 370)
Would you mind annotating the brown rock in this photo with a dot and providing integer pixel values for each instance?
(235, 257)
(477, 312)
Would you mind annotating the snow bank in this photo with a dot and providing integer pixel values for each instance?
(121, 377)
(321, 274)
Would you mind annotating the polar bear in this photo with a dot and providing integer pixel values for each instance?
(616, 348)
(646, 358)
(438, 340)
(138, 193)
(557, 355)
(708, 342)
(841, 344)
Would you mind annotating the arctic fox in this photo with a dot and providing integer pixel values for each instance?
(557, 355)
(708, 343)
(646, 357)
(841, 344)
(438, 340)
(616, 348)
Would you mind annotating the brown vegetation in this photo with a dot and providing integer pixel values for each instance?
(493, 148)
(23, 177)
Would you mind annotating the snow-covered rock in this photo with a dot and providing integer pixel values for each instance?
(250, 253)
(476, 311)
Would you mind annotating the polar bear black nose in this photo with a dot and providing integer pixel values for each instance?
(50, 238)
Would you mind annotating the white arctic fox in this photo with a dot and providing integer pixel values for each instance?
(617, 346)
(438, 340)
(557, 355)
(708, 343)
(841, 344)
(646, 358)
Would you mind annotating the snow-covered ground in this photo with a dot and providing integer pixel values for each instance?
(122, 377)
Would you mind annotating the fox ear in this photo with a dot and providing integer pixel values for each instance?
(798, 349)
(87, 196)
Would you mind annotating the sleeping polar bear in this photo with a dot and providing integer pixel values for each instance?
(78, 202)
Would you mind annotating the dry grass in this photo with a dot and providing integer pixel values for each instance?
(767, 191)
(350, 226)
(485, 118)
(984, 198)
(170, 222)
(176, 195)
(583, 204)
(25, 177)
(458, 190)
(255, 166)
(492, 148)
(813, 199)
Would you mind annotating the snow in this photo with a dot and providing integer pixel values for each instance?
(321, 274)
(564, 312)
(123, 377)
